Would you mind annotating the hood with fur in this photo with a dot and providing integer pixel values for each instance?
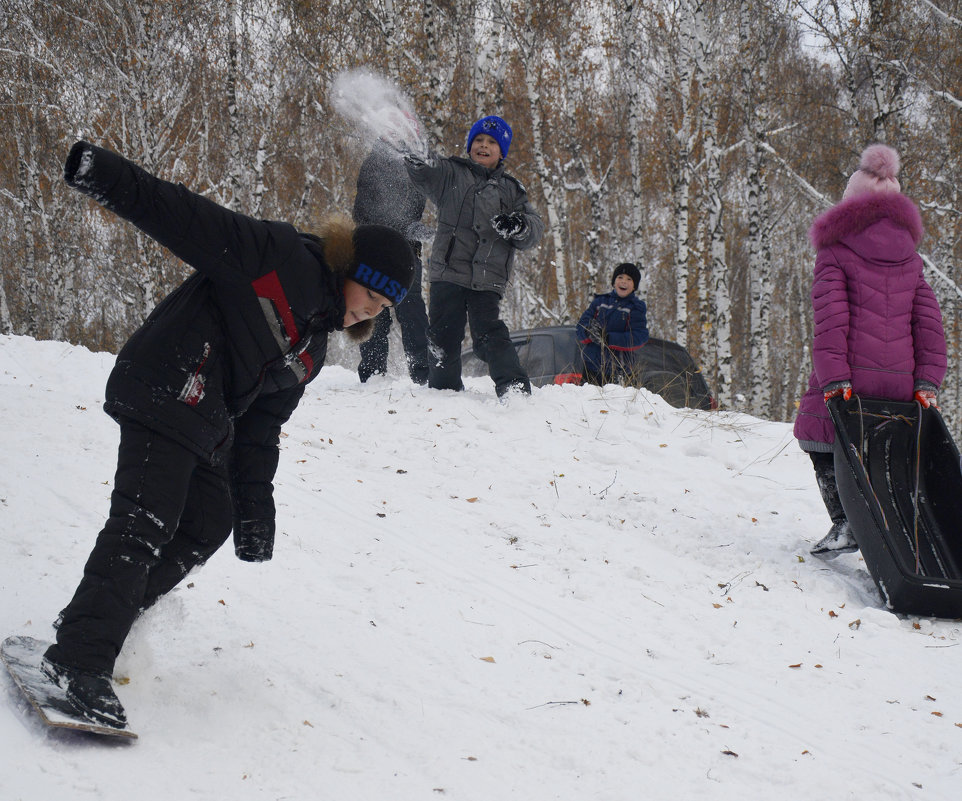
(337, 241)
(856, 214)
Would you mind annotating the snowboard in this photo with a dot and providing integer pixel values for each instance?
(22, 657)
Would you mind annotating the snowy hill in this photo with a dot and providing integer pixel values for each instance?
(581, 595)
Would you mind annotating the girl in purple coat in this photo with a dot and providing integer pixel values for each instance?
(878, 328)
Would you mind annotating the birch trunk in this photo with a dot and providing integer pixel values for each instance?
(717, 297)
(530, 54)
(676, 89)
(754, 85)
(629, 23)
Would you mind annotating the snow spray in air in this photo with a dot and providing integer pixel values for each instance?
(379, 110)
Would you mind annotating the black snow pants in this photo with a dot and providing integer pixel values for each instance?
(170, 510)
(413, 319)
(452, 306)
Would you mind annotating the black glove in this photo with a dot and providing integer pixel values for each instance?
(595, 332)
(254, 540)
(510, 226)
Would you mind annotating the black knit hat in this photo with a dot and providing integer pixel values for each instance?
(383, 261)
(628, 269)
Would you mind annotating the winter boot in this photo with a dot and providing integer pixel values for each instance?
(516, 387)
(90, 693)
(839, 539)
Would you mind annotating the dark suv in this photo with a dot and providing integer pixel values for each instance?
(551, 355)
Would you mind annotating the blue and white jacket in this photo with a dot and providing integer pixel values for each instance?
(624, 322)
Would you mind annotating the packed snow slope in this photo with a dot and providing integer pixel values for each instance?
(580, 595)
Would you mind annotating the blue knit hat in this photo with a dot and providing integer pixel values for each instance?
(494, 127)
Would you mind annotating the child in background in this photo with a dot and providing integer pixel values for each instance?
(613, 329)
(385, 196)
(484, 218)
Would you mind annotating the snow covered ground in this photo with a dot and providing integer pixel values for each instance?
(580, 595)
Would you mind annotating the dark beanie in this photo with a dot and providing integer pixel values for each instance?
(383, 261)
(628, 269)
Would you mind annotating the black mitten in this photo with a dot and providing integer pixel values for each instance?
(254, 540)
(509, 226)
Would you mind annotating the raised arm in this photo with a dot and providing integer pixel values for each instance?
(214, 240)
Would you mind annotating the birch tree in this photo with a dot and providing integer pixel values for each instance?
(670, 33)
(631, 33)
(753, 56)
(717, 297)
(528, 25)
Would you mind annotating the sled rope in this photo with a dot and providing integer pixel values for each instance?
(861, 453)
(884, 420)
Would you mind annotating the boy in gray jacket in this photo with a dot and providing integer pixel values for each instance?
(484, 216)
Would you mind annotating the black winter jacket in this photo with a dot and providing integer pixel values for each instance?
(221, 363)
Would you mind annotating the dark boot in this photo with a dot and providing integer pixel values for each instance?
(839, 539)
(518, 387)
(90, 693)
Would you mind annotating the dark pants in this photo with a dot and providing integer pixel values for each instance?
(169, 511)
(413, 319)
(451, 307)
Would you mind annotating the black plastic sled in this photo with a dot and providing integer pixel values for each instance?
(900, 480)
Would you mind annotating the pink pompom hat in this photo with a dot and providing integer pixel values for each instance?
(876, 172)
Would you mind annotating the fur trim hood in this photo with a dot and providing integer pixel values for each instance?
(337, 242)
(854, 215)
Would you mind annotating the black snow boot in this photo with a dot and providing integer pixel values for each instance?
(90, 693)
(839, 539)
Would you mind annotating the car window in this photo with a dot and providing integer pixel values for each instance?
(472, 366)
(537, 355)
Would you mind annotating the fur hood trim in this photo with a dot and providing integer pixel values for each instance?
(337, 240)
(857, 213)
(337, 232)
